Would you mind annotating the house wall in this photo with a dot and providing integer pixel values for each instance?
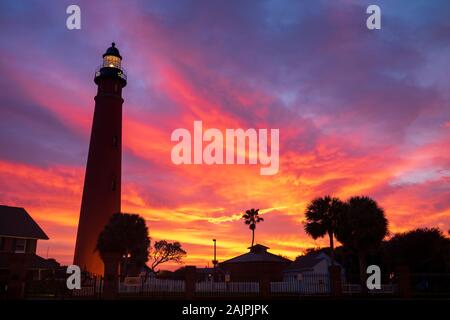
(292, 275)
(321, 267)
(31, 245)
(7, 244)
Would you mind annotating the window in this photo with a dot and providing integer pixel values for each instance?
(21, 246)
(2, 243)
(111, 62)
(115, 141)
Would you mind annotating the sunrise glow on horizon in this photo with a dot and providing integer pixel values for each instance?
(359, 113)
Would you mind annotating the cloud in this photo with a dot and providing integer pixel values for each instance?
(359, 112)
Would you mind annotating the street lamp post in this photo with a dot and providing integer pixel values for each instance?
(215, 262)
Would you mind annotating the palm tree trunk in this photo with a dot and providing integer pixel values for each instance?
(362, 271)
(253, 236)
(330, 234)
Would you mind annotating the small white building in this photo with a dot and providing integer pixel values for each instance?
(316, 263)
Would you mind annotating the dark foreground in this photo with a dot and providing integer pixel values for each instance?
(233, 309)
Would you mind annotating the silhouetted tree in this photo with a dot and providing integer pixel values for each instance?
(251, 218)
(126, 234)
(164, 251)
(423, 250)
(362, 228)
(322, 219)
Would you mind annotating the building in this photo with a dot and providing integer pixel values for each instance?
(255, 265)
(313, 263)
(102, 184)
(201, 274)
(19, 235)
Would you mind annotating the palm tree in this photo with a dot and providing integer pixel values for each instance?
(322, 218)
(127, 235)
(362, 228)
(251, 218)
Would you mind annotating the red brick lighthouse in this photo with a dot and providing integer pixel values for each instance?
(101, 193)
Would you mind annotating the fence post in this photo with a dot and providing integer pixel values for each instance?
(18, 266)
(335, 281)
(264, 287)
(111, 275)
(191, 279)
(404, 281)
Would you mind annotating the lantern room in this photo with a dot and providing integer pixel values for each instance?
(112, 58)
(111, 66)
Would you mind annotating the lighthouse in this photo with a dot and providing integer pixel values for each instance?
(102, 182)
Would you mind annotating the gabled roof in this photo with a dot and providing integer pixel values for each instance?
(308, 262)
(16, 222)
(258, 253)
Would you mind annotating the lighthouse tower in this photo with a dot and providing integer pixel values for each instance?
(101, 193)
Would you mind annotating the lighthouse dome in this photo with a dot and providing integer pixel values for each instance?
(112, 51)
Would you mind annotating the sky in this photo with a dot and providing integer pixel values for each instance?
(360, 112)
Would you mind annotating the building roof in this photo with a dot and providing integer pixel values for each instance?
(258, 247)
(16, 222)
(258, 253)
(307, 262)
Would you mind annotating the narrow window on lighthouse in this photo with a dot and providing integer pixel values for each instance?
(114, 184)
(115, 142)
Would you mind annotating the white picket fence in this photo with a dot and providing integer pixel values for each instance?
(227, 288)
(299, 287)
(351, 289)
(307, 284)
(84, 292)
(152, 285)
